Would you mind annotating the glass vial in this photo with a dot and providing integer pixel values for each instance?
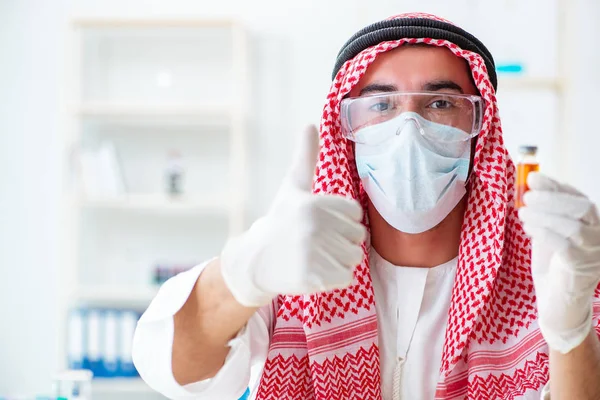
(174, 173)
(527, 163)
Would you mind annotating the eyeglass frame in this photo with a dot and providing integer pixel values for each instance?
(479, 105)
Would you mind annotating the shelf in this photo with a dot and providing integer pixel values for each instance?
(120, 385)
(98, 109)
(138, 113)
(159, 203)
(528, 83)
(115, 296)
(147, 86)
(152, 23)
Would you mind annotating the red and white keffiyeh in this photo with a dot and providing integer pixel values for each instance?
(324, 346)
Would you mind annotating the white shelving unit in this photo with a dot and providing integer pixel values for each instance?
(114, 296)
(529, 83)
(208, 115)
(149, 87)
(160, 203)
(120, 387)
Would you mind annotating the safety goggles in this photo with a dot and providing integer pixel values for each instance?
(460, 111)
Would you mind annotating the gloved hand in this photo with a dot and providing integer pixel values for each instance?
(565, 232)
(306, 243)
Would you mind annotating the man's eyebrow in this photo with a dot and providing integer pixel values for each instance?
(432, 86)
(378, 87)
(435, 86)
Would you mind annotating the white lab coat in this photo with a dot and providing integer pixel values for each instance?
(412, 309)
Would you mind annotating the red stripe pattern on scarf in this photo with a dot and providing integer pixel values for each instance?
(325, 346)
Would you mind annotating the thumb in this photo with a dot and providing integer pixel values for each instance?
(303, 166)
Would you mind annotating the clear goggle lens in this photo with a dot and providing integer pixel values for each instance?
(464, 112)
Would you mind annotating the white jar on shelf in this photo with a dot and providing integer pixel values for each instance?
(74, 384)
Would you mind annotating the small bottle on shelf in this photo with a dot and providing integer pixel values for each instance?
(527, 163)
(174, 173)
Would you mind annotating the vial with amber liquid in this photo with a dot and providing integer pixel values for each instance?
(527, 163)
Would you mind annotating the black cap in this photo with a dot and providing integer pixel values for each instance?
(416, 28)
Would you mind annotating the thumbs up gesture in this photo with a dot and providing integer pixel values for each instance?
(305, 244)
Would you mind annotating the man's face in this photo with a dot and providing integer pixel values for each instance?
(414, 69)
(418, 69)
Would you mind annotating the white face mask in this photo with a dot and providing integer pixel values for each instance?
(412, 181)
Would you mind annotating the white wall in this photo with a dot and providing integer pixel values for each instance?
(30, 64)
(582, 138)
(295, 44)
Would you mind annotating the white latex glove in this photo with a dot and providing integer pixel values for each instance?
(565, 232)
(305, 244)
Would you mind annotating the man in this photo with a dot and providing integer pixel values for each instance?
(438, 297)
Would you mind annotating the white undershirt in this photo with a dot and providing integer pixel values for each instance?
(412, 310)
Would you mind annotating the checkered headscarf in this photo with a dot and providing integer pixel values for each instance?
(324, 346)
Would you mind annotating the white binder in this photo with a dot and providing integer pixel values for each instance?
(109, 344)
(93, 346)
(127, 329)
(75, 335)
